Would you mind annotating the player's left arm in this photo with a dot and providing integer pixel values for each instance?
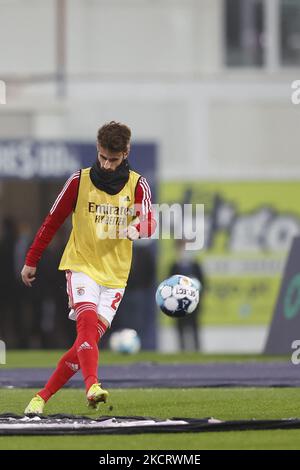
(146, 223)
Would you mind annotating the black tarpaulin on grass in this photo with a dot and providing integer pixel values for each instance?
(16, 425)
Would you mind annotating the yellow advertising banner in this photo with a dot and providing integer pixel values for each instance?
(249, 227)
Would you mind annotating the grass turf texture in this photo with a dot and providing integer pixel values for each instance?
(49, 358)
(220, 403)
(237, 403)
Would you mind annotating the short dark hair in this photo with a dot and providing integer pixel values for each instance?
(114, 137)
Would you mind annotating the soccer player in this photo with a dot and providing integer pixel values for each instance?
(111, 206)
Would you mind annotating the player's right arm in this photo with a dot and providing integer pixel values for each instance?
(28, 275)
(61, 209)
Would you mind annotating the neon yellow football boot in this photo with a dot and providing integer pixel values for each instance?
(95, 395)
(35, 406)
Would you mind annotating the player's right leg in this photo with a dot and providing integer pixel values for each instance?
(35, 406)
(83, 354)
(84, 296)
(66, 368)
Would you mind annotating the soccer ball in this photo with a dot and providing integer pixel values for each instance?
(125, 341)
(178, 295)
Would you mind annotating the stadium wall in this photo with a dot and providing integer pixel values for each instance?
(168, 83)
(199, 128)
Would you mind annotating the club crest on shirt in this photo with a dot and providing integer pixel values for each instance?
(80, 290)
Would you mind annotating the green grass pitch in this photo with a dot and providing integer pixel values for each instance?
(223, 403)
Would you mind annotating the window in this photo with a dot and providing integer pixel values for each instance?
(290, 32)
(244, 27)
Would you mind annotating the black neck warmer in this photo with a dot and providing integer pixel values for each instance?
(111, 182)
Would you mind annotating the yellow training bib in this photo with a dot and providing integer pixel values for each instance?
(95, 246)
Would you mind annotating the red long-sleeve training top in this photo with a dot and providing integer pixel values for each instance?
(65, 204)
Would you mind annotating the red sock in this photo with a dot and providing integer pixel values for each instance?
(66, 368)
(89, 330)
(69, 364)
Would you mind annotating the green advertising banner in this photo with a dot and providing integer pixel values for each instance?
(284, 330)
(249, 227)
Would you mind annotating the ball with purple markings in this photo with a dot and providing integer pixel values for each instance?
(178, 295)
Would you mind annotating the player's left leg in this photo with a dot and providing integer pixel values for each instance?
(95, 393)
(84, 295)
(88, 325)
(109, 301)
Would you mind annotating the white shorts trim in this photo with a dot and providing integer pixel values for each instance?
(81, 288)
